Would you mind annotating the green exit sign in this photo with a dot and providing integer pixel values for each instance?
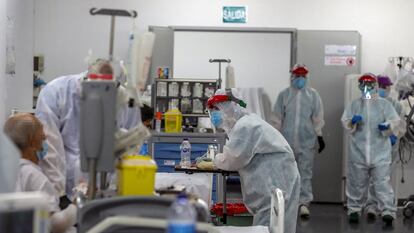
(234, 14)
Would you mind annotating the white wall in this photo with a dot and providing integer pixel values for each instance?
(2, 60)
(18, 89)
(65, 30)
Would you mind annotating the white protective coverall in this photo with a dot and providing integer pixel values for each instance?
(372, 204)
(299, 117)
(370, 153)
(59, 111)
(264, 161)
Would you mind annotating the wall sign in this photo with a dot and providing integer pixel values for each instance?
(341, 50)
(340, 60)
(340, 55)
(234, 14)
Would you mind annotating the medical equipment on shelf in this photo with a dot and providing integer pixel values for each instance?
(173, 120)
(173, 89)
(136, 175)
(198, 90)
(186, 105)
(24, 212)
(187, 95)
(197, 106)
(158, 119)
(209, 92)
(163, 72)
(162, 89)
(185, 89)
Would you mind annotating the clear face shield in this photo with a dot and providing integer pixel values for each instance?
(368, 89)
(216, 116)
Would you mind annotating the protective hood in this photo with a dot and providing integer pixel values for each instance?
(230, 111)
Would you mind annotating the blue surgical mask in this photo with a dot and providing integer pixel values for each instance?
(299, 82)
(384, 93)
(42, 153)
(216, 118)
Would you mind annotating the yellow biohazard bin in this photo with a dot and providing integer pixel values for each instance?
(136, 176)
(173, 121)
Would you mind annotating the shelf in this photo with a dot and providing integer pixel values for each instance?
(186, 80)
(194, 115)
(181, 97)
(206, 87)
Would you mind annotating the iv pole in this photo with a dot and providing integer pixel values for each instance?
(113, 13)
(219, 61)
(400, 61)
(93, 163)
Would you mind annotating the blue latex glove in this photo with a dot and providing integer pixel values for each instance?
(393, 139)
(356, 119)
(384, 126)
(144, 149)
(39, 82)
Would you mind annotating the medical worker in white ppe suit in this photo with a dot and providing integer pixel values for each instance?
(299, 117)
(371, 121)
(58, 108)
(260, 154)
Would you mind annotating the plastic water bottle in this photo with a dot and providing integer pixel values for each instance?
(181, 216)
(185, 153)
